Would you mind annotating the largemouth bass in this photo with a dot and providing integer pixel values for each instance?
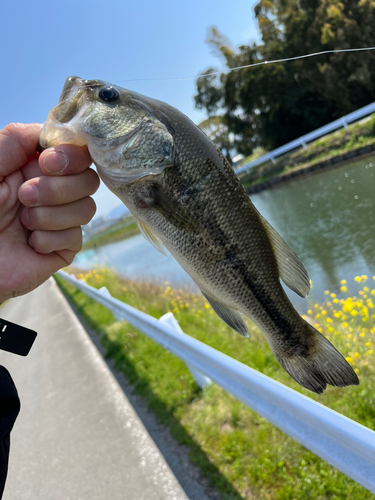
(186, 198)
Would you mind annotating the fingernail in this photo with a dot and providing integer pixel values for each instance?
(29, 195)
(55, 161)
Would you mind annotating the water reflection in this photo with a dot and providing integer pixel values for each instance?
(328, 219)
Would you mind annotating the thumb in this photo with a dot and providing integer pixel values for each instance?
(18, 143)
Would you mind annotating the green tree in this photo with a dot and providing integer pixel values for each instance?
(217, 130)
(272, 104)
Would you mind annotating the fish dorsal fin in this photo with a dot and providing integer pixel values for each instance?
(150, 236)
(291, 269)
(231, 317)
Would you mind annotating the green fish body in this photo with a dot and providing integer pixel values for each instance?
(186, 198)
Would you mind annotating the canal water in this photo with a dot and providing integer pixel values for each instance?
(328, 219)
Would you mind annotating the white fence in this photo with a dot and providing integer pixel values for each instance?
(348, 446)
(303, 140)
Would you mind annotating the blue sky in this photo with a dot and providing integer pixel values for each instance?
(43, 42)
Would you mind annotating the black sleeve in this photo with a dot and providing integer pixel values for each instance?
(9, 409)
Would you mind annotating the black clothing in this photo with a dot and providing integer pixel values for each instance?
(9, 409)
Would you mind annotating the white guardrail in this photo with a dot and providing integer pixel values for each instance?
(304, 139)
(348, 446)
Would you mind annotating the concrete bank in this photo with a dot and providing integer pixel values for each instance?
(77, 436)
(332, 162)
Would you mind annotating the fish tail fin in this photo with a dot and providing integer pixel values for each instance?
(320, 366)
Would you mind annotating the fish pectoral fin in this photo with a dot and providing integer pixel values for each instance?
(150, 236)
(291, 269)
(230, 316)
(174, 212)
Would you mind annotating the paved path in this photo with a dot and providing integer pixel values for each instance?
(77, 436)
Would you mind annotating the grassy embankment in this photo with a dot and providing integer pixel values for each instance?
(238, 452)
(112, 234)
(331, 146)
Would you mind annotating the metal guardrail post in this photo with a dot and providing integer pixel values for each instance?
(200, 378)
(345, 123)
(345, 444)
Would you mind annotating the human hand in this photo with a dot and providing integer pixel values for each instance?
(44, 199)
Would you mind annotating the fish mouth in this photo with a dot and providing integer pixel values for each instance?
(60, 122)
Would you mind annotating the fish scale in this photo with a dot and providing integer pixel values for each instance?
(186, 198)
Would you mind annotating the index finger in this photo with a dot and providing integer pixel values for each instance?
(66, 159)
(18, 143)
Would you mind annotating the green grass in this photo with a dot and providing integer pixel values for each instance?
(239, 453)
(358, 135)
(115, 233)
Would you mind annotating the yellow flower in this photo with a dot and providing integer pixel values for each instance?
(354, 312)
(362, 334)
(349, 359)
(329, 320)
(206, 306)
(364, 277)
(326, 292)
(356, 355)
(324, 312)
(369, 352)
(368, 344)
(343, 282)
(366, 289)
(343, 289)
(309, 312)
(335, 301)
(330, 329)
(358, 279)
(372, 292)
(333, 295)
(356, 370)
(345, 324)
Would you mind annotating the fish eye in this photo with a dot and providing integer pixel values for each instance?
(108, 94)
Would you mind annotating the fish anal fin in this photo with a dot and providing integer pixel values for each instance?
(230, 316)
(291, 269)
(150, 236)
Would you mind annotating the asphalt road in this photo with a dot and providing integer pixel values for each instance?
(77, 436)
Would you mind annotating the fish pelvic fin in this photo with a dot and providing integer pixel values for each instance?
(291, 269)
(322, 365)
(150, 236)
(230, 316)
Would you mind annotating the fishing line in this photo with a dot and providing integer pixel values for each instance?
(305, 56)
